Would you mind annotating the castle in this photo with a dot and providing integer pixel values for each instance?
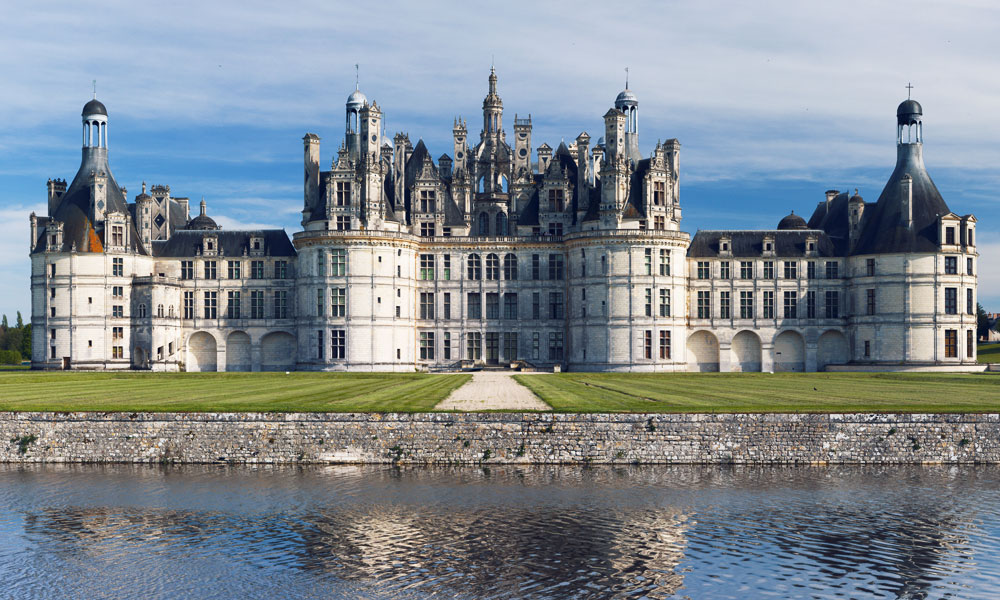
(575, 260)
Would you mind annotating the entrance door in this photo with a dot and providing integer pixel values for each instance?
(492, 347)
(66, 363)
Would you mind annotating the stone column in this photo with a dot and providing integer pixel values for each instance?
(725, 355)
(767, 357)
(812, 358)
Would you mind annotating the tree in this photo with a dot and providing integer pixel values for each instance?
(3, 324)
(20, 321)
(982, 322)
(26, 342)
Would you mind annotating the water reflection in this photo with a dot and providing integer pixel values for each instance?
(512, 532)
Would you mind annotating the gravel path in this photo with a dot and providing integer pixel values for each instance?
(492, 390)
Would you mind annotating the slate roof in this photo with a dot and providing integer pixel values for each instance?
(750, 244)
(187, 243)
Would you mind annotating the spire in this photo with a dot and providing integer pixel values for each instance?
(626, 78)
(357, 75)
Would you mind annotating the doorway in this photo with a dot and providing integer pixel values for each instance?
(492, 347)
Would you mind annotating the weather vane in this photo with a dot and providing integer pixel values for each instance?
(626, 78)
(909, 88)
(356, 75)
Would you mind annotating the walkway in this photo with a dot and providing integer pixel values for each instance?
(492, 390)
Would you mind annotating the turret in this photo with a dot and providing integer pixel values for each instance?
(522, 145)
(311, 166)
(544, 156)
(355, 102)
(582, 166)
(628, 105)
(492, 111)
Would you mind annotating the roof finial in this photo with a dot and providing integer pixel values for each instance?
(95, 88)
(203, 207)
(356, 75)
(909, 88)
(492, 61)
(626, 78)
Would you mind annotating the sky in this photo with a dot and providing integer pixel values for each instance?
(773, 102)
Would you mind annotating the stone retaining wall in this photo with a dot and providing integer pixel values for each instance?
(497, 438)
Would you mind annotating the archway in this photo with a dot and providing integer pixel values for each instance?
(832, 349)
(201, 349)
(139, 360)
(745, 352)
(789, 352)
(277, 352)
(238, 351)
(702, 352)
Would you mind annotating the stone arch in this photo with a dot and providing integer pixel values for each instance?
(789, 352)
(238, 352)
(201, 352)
(277, 351)
(831, 350)
(745, 352)
(702, 352)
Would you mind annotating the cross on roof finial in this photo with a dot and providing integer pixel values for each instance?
(909, 88)
(626, 78)
(95, 89)
(356, 75)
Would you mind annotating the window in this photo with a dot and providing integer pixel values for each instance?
(791, 269)
(446, 264)
(426, 345)
(233, 305)
(510, 345)
(868, 348)
(117, 291)
(557, 199)
(321, 263)
(949, 235)
(746, 269)
(659, 193)
(141, 310)
(447, 305)
(117, 311)
(704, 304)
(768, 304)
(343, 223)
(555, 305)
(583, 303)
(870, 267)
(446, 232)
(209, 268)
(117, 333)
(832, 304)
(768, 269)
(536, 308)
(188, 305)
(280, 269)
(510, 267)
(116, 352)
(427, 229)
(492, 267)
(664, 262)
(664, 344)
(234, 269)
(647, 344)
(951, 343)
(492, 306)
(832, 269)
(951, 301)
(281, 304)
(343, 193)
(555, 345)
(648, 261)
(475, 345)
(475, 267)
(724, 270)
(535, 345)
(649, 302)
(52, 270)
(725, 309)
(556, 266)
(187, 269)
(159, 311)
(338, 302)
(791, 305)
(256, 269)
(664, 302)
(320, 302)
(811, 270)
(426, 305)
(970, 345)
(604, 264)
(427, 201)
(536, 267)
(117, 267)
(704, 269)
(510, 306)
(501, 224)
(970, 308)
(583, 262)
(810, 305)
(951, 265)
(447, 345)
(968, 266)
(338, 344)
(257, 304)
(870, 301)
(484, 224)
(746, 305)
(319, 344)
(555, 229)
(475, 306)
(211, 305)
(426, 267)
(338, 262)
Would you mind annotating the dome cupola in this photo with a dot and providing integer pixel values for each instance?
(792, 222)
(202, 222)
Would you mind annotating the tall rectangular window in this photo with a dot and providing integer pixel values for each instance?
(832, 304)
(338, 344)
(951, 343)
(510, 267)
(870, 267)
(492, 267)
(664, 344)
(234, 269)
(555, 345)
(447, 345)
(492, 305)
(475, 305)
(319, 344)
(343, 193)
(968, 266)
(870, 301)
(556, 305)
(664, 302)
(475, 345)
(281, 269)
(557, 199)
(428, 202)
(768, 269)
(724, 270)
(659, 193)
(536, 306)
(810, 305)
(338, 261)
(647, 344)
(791, 269)
(510, 345)
(868, 348)
(474, 267)
(649, 302)
(426, 267)
(338, 302)
(535, 344)
(188, 305)
(447, 305)
(427, 229)
(725, 308)
(746, 305)
(556, 267)
(970, 344)
(281, 304)
(664, 262)
(951, 301)
(117, 267)
(949, 235)
(811, 270)
(210, 270)
(951, 265)
(791, 305)
(704, 304)
(233, 305)
(320, 302)
(510, 305)
(746, 269)
(970, 308)
(117, 236)
(446, 265)
(211, 305)
(187, 269)
(257, 304)
(536, 267)
(704, 269)
(426, 345)
(768, 304)
(647, 261)
(256, 269)
(832, 269)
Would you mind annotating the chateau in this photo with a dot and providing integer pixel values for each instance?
(502, 253)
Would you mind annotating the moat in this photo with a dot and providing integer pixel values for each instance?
(88, 531)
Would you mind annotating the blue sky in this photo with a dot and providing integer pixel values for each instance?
(773, 102)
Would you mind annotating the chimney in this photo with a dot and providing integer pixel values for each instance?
(311, 163)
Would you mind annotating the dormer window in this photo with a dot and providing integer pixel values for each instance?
(117, 235)
(256, 245)
(949, 236)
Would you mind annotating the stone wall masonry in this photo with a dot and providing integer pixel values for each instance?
(498, 438)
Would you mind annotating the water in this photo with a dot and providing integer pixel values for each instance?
(504, 532)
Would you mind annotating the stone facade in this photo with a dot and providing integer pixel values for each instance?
(498, 438)
(574, 260)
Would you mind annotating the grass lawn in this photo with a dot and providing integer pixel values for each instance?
(224, 392)
(759, 392)
(988, 353)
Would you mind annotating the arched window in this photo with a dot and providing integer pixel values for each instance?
(501, 228)
(475, 267)
(484, 224)
(502, 180)
(481, 185)
(159, 310)
(141, 310)
(510, 267)
(492, 267)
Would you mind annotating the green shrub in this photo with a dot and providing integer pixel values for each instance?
(10, 357)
